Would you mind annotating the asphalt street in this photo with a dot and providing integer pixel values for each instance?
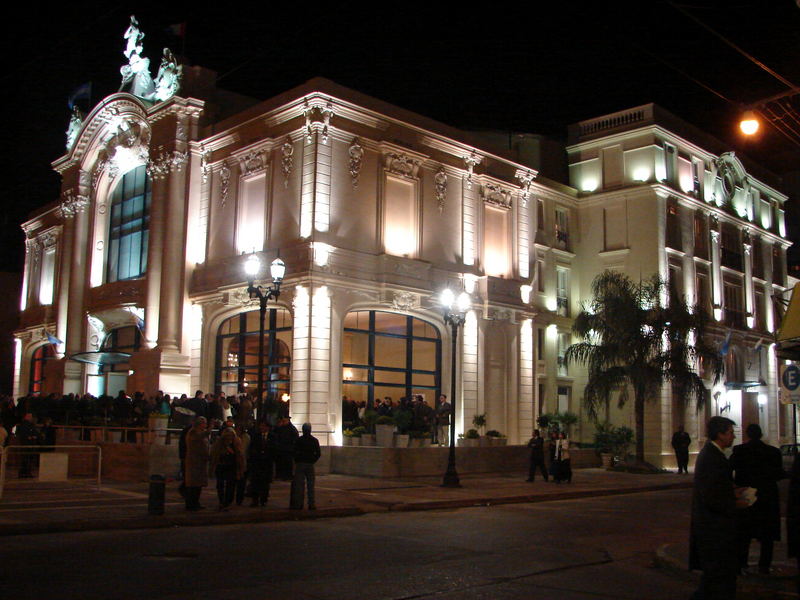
(569, 549)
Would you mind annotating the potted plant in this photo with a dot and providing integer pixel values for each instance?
(496, 438)
(604, 443)
(420, 439)
(357, 433)
(623, 439)
(472, 438)
(349, 438)
(384, 431)
(401, 440)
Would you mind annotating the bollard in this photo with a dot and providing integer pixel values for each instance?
(155, 502)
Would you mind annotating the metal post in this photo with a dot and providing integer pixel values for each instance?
(261, 316)
(451, 476)
(99, 465)
(3, 455)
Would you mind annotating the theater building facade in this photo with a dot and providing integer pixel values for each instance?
(134, 277)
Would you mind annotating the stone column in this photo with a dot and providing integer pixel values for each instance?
(748, 281)
(716, 274)
(157, 225)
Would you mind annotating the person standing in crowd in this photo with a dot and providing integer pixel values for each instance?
(27, 435)
(680, 443)
(196, 463)
(227, 462)
(712, 540)
(285, 437)
(758, 465)
(241, 482)
(562, 461)
(536, 444)
(260, 463)
(306, 453)
(443, 421)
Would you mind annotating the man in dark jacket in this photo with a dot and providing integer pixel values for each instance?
(261, 462)
(760, 466)
(536, 444)
(712, 543)
(306, 453)
(680, 443)
(285, 437)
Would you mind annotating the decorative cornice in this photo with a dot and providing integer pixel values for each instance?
(166, 163)
(470, 163)
(440, 187)
(496, 195)
(525, 179)
(72, 203)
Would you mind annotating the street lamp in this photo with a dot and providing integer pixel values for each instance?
(455, 313)
(252, 267)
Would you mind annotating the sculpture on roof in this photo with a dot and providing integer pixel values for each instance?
(168, 80)
(74, 127)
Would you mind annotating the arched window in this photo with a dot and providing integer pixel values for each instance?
(128, 226)
(123, 340)
(237, 353)
(40, 356)
(389, 354)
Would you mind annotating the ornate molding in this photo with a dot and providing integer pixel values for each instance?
(405, 301)
(224, 183)
(356, 153)
(287, 160)
(526, 180)
(166, 163)
(494, 194)
(49, 238)
(325, 113)
(99, 167)
(72, 203)
(440, 187)
(252, 162)
(205, 168)
(470, 163)
(402, 164)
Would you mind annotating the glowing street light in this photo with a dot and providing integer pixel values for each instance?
(749, 123)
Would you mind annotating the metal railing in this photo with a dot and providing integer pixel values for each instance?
(4, 453)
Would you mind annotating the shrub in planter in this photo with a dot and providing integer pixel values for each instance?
(479, 421)
(496, 438)
(385, 420)
(384, 431)
(472, 434)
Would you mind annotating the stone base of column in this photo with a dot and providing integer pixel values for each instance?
(158, 369)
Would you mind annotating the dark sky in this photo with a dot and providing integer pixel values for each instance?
(492, 65)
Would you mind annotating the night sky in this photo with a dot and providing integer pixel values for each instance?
(491, 66)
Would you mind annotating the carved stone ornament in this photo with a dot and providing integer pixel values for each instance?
(72, 204)
(307, 114)
(402, 164)
(98, 172)
(49, 239)
(33, 248)
(404, 301)
(471, 162)
(166, 163)
(180, 130)
(238, 297)
(715, 236)
(98, 329)
(205, 169)
(356, 152)
(327, 113)
(440, 187)
(287, 160)
(493, 194)
(74, 127)
(252, 162)
(224, 184)
(526, 180)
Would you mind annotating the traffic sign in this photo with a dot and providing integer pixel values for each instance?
(790, 384)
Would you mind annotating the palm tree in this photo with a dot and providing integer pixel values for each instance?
(633, 341)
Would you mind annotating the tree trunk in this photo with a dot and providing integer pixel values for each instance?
(639, 413)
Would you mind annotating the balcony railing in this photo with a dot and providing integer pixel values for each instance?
(562, 306)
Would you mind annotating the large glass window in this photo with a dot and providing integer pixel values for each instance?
(40, 357)
(237, 353)
(123, 339)
(128, 227)
(389, 354)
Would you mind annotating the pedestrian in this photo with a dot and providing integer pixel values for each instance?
(285, 437)
(443, 421)
(563, 463)
(680, 443)
(261, 463)
(241, 482)
(227, 462)
(536, 444)
(760, 466)
(712, 540)
(306, 453)
(196, 463)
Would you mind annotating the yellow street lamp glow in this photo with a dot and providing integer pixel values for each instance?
(749, 123)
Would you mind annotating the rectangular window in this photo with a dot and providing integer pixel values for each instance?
(496, 241)
(731, 250)
(540, 214)
(777, 266)
(540, 275)
(701, 290)
(732, 293)
(562, 229)
(540, 337)
(563, 344)
(760, 314)
(757, 261)
(700, 236)
(673, 233)
(251, 214)
(47, 276)
(562, 291)
(564, 393)
(400, 217)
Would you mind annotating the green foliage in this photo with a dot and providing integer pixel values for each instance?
(624, 329)
(543, 421)
(472, 434)
(348, 433)
(370, 416)
(358, 431)
(479, 421)
(403, 419)
(420, 435)
(385, 420)
(557, 421)
(613, 440)
(494, 433)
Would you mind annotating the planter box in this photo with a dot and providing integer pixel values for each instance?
(349, 441)
(484, 441)
(384, 435)
(401, 441)
(367, 439)
(499, 441)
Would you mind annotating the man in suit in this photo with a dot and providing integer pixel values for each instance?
(760, 466)
(680, 443)
(712, 546)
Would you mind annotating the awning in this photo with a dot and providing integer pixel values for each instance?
(744, 385)
(101, 358)
(789, 332)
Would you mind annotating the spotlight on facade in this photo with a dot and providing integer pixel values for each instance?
(525, 293)
(277, 269)
(252, 266)
(749, 123)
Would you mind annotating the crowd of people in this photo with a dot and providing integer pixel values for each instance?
(410, 414)
(560, 468)
(245, 461)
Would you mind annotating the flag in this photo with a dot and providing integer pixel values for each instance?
(82, 92)
(725, 345)
(177, 29)
(139, 323)
(53, 339)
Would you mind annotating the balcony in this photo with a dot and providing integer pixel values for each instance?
(562, 239)
(562, 367)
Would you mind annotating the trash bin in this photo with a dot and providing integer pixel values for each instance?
(155, 501)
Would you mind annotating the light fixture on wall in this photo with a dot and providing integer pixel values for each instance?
(525, 293)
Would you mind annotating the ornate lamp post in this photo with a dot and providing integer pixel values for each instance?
(252, 267)
(455, 313)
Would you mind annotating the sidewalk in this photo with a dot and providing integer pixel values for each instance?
(30, 507)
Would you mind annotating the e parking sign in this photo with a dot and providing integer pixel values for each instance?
(790, 384)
